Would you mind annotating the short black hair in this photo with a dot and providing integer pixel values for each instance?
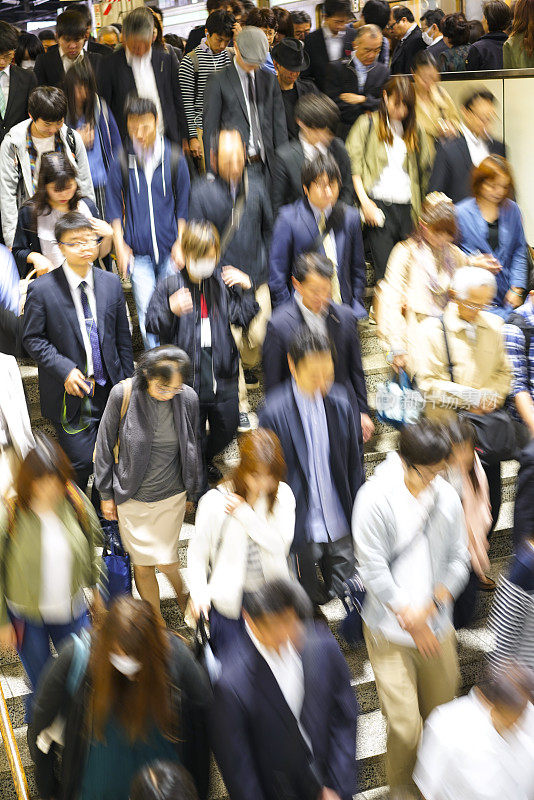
(433, 16)
(72, 25)
(333, 7)
(376, 12)
(248, 5)
(424, 59)
(136, 106)
(310, 262)
(424, 443)
(479, 94)
(498, 15)
(399, 12)
(214, 5)
(9, 37)
(69, 222)
(221, 22)
(28, 43)
(262, 18)
(476, 30)
(511, 686)
(460, 430)
(300, 17)
(305, 342)
(317, 111)
(322, 165)
(277, 596)
(83, 10)
(163, 780)
(47, 35)
(47, 103)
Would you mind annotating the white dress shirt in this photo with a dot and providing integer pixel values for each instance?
(412, 27)
(311, 151)
(243, 77)
(334, 43)
(69, 62)
(478, 148)
(74, 281)
(145, 81)
(4, 82)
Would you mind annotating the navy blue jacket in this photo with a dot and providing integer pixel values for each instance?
(280, 414)
(225, 306)
(248, 249)
(256, 739)
(524, 507)
(487, 52)
(52, 336)
(451, 173)
(143, 216)
(342, 327)
(295, 232)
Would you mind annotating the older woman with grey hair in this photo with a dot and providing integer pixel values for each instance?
(147, 460)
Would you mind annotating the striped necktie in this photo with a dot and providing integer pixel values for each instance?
(330, 252)
(92, 332)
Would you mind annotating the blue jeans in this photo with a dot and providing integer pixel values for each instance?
(144, 277)
(34, 650)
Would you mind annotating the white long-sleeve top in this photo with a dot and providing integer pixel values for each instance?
(217, 555)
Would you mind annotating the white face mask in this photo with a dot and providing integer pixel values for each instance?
(427, 39)
(27, 64)
(203, 268)
(127, 666)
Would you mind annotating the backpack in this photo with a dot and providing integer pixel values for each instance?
(193, 57)
(528, 331)
(125, 174)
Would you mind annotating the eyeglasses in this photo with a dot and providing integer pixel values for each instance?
(170, 390)
(79, 245)
(474, 306)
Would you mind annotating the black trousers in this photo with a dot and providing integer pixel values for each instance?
(398, 226)
(80, 446)
(223, 418)
(333, 560)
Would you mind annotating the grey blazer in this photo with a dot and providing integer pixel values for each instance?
(135, 432)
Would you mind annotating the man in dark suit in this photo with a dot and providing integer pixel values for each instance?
(284, 717)
(312, 307)
(289, 60)
(151, 72)
(92, 45)
(315, 423)
(15, 83)
(76, 329)
(317, 120)
(246, 98)
(50, 67)
(326, 44)
(455, 158)
(320, 222)
(406, 30)
(430, 23)
(356, 84)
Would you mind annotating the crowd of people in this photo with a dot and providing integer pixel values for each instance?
(245, 183)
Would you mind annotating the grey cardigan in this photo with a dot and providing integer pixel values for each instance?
(135, 432)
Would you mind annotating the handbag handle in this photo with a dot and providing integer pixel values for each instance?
(201, 629)
(451, 373)
(404, 380)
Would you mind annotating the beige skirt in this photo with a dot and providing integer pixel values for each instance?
(150, 531)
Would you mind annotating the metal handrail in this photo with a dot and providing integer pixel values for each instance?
(12, 751)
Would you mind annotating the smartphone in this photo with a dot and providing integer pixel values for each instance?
(90, 384)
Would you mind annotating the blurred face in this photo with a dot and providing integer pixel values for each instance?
(244, 64)
(480, 117)
(61, 196)
(301, 29)
(231, 157)
(422, 475)
(286, 77)
(71, 47)
(275, 631)
(495, 190)
(397, 110)
(80, 248)
(367, 49)
(6, 58)
(80, 94)
(165, 391)
(47, 491)
(138, 47)
(111, 39)
(315, 136)
(504, 718)
(48, 43)
(142, 129)
(43, 130)
(438, 240)
(270, 34)
(336, 23)
(216, 42)
(260, 482)
(398, 28)
(315, 291)
(462, 456)
(425, 78)
(314, 373)
(477, 300)
(322, 193)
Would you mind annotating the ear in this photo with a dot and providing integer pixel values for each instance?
(296, 283)
(291, 365)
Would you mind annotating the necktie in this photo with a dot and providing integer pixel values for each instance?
(92, 332)
(331, 253)
(2, 96)
(254, 119)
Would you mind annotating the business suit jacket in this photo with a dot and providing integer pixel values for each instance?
(342, 327)
(344, 78)
(295, 231)
(117, 81)
(452, 168)
(315, 47)
(21, 82)
(281, 415)
(436, 49)
(256, 739)
(225, 107)
(287, 174)
(49, 69)
(52, 336)
(405, 52)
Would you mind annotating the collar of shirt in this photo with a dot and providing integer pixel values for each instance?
(141, 60)
(71, 61)
(74, 280)
(317, 212)
(243, 74)
(311, 151)
(5, 71)
(315, 322)
(437, 39)
(306, 399)
(412, 27)
(329, 35)
(471, 138)
(149, 158)
(455, 323)
(288, 660)
(361, 67)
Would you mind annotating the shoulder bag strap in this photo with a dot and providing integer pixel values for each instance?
(448, 352)
(421, 533)
(126, 395)
(237, 215)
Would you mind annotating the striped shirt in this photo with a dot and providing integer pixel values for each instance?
(514, 339)
(208, 63)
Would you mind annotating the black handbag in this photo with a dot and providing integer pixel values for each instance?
(495, 436)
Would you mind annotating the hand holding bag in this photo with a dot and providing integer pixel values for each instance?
(398, 402)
